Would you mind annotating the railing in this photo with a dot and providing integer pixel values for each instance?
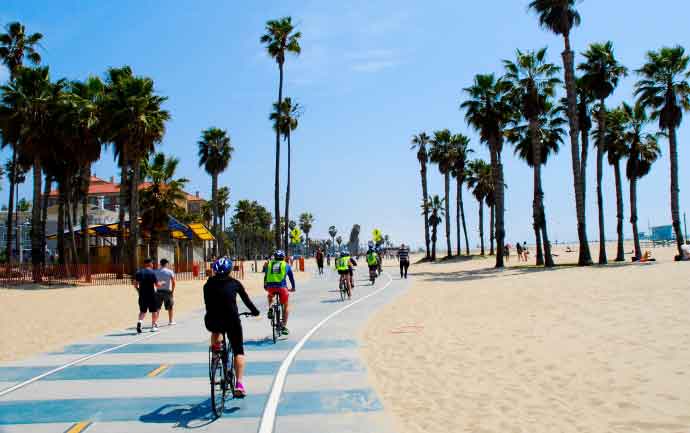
(94, 274)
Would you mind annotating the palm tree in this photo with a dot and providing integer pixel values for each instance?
(27, 103)
(223, 200)
(665, 91)
(285, 118)
(437, 209)
(15, 46)
(460, 151)
(616, 149)
(601, 74)
(161, 198)
(332, 231)
(480, 181)
(560, 16)
(533, 81)
(135, 124)
(488, 110)
(280, 38)
(306, 221)
(550, 133)
(339, 240)
(420, 142)
(215, 153)
(643, 151)
(442, 155)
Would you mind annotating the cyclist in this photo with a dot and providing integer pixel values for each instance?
(344, 265)
(275, 283)
(222, 316)
(372, 260)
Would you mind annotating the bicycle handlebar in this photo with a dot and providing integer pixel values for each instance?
(246, 314)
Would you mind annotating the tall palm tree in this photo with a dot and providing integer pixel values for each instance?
(28, 102)
(488, 110)
(280, 38)
(479, 180)
(533, 84)
(664, 90)
(460, 151)
(559, 17)
(15, 46)
(420, 142)
(215, 153)
(161, 198)
(643, 151)
(550, 132)
(135, 124)
(601, 73)
(442, 155)
(616, 149)
(437, 209)
(306, 222)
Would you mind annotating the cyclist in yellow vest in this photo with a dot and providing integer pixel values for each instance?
(275, 283)
(372, 260)
(344, 265)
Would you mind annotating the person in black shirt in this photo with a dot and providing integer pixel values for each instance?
(146, 282)
(222, 316)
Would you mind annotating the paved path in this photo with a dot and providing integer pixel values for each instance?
(159, 382)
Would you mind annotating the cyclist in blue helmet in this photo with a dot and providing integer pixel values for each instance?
(222, 315)
(275, 283)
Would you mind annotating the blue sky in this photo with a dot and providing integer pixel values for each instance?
(371, 74)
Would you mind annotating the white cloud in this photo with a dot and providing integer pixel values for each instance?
(373, 66)
(373, 60)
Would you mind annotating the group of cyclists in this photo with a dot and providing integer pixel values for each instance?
(221, 290)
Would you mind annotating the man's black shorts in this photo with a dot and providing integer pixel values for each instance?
(232, 328)
(149, 302)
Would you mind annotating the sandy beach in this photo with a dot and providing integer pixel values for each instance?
(40, 320)
(598, 349)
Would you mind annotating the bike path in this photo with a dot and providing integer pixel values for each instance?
(160, 381)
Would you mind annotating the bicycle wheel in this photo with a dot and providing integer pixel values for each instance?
(231, 380)
(273, 325)
(218, 384)
(342, 290)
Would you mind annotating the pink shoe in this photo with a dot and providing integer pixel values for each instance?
(239, 390)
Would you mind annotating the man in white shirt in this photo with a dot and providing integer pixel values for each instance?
(166, 278)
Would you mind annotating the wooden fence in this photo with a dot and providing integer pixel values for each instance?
(95, 274)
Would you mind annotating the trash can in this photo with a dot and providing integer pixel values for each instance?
(195, 270)
(301, 264)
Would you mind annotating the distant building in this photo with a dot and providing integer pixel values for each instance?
(21, 231)
(106, 195)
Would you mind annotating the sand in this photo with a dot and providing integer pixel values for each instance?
(40, 320)
(599, 349)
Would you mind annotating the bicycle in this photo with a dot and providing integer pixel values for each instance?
(221, 373)
(276, 317)
(344, 289)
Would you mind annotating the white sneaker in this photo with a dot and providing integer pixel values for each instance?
(172, 323)
(154, 328)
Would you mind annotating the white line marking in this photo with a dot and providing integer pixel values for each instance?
(268, 418)
(75, 362)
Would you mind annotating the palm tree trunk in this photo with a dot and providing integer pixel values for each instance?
(425, 194)
(481, 226)
(214, 199)
(600, 194)
(36, 241)
(287, 196)
(44, 215)
(539, 256)
(277, 180)
(458, 197)
(535, 211)
(499, 191)
(121, 220)
(86, 181)
(675, 189)
(74, 257)
(585, 258)
(462, 217)
(134, 215)
(539, 211)
(447, 187)
(620, 252)
(633, 217)
(434, 233)
(10, 207)
(492, 229)
(61, 223)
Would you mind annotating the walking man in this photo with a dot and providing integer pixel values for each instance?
(146, 282)
(319, 260)
(404, 259)
(166, 278)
